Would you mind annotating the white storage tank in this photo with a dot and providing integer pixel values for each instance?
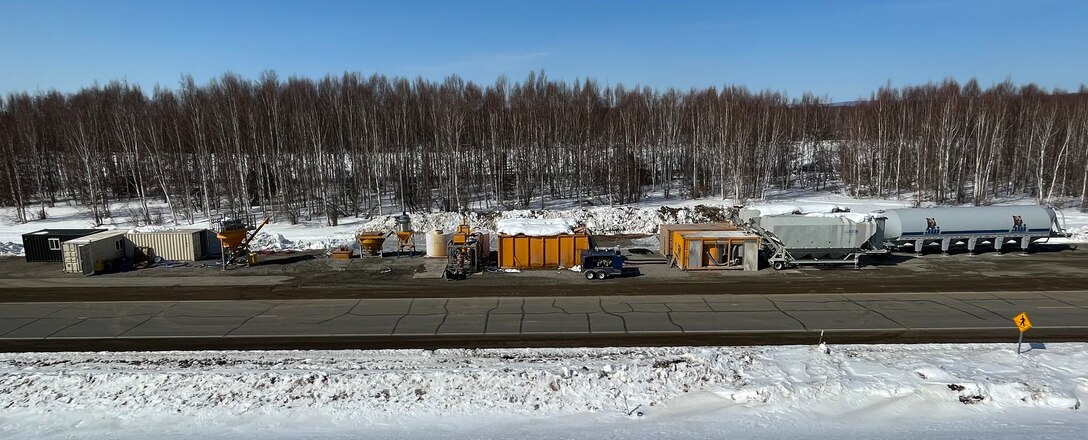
(920, 226)
(437, 241)
(910, 223)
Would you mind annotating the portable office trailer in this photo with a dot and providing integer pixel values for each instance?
(177, 245)
(44, 245)
(710, 250)
(665, 232)
(96, 252)
(543, 252)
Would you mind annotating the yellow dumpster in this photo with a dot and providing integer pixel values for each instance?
(546, 252)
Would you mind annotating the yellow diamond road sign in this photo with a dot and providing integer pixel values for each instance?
(1022, 322)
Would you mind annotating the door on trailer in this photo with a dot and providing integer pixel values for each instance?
(71, 257)
(695, 254)
(85, 262)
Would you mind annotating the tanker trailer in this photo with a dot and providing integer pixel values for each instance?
(970, 225)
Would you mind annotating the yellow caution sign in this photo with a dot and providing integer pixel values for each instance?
(1022, 322)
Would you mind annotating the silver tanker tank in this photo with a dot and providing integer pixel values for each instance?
(971, 225)
(816, 237)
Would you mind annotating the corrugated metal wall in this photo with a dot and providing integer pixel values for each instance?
(180, 245)
(81, 254)
(37, 248)
(526, 252)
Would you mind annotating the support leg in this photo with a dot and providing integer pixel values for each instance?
(945, 244)
(999, 242)
(1025, 243)
(971, 243)
(918, 247)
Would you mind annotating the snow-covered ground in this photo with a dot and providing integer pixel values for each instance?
(864, 391)
(640, 218)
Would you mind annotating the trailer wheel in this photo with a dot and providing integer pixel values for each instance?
(601, 275)
(590, 275)
(779, 265)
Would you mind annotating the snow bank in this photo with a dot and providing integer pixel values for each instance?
(927, 380)
(599, 220)
(535, 227)
(1079, 235)
(11, 248)
(264, 241)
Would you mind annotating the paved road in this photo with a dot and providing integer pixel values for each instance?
(535, 321)
(125, 282)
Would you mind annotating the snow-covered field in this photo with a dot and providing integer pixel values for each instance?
(864, 391)
(641, 218)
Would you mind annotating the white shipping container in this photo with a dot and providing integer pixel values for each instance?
(81, 254)
(178, 245)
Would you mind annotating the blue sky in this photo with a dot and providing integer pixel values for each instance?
(840, 49)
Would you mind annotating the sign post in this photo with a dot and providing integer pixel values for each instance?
(1023, 324)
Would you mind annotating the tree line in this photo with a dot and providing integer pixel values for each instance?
(352, 145)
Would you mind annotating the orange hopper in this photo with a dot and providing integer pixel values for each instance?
(370, 243)
(232, 239)
(236, 239)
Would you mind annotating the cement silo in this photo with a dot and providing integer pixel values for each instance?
(792, 240)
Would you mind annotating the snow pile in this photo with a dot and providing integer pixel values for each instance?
(599, 220)
(1079, 235)
(535, 227)
(11, 248)
(265, 241)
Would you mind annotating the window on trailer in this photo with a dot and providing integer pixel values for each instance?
(54, 244)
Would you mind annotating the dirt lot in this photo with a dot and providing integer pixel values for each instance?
(312, 275)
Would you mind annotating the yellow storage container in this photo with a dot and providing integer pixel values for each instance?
(547, 252)
(666, 233)
(709, 250)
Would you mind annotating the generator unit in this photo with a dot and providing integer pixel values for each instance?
(598, 264)
(466, 253)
